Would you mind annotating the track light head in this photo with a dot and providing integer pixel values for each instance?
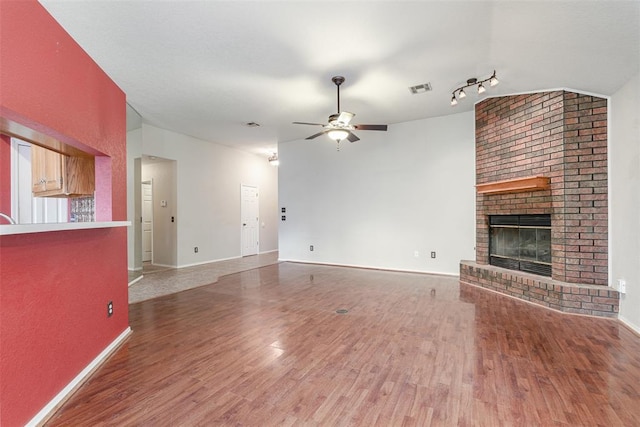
(273, 160)
(493, 80)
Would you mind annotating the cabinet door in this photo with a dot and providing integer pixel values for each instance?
(37, 169)
(46, 170)
(53, 170)
(79, 173)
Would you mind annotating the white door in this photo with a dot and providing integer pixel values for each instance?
(249, 218)
(147, 221)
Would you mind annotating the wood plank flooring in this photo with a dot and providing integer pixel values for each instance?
(266, 347)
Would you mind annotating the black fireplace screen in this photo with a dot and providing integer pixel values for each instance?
(521, 242)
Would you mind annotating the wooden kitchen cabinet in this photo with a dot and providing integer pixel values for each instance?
(57, 175)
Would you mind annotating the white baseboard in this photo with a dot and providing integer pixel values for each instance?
(164, 265)
(268, 252)
(211, 260)
(136, 280)
(222, 259)
(370, 267)
(629, 325)
(208, 262)
(66, 392)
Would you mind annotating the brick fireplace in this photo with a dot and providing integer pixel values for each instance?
(546, 154)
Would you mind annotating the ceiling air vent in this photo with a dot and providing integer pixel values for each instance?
(425, 87)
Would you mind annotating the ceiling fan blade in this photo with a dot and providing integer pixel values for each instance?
(317, 134)
(345, 117)
(352, 137)
(307, 123)
(370, 127)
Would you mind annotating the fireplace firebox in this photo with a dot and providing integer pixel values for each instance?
(521, 242)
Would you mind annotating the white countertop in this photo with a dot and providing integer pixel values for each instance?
(8, 229)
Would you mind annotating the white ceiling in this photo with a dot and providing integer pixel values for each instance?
(205, 68)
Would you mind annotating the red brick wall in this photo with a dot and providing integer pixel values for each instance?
(563, 136)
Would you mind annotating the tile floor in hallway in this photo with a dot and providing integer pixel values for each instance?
(157, 281)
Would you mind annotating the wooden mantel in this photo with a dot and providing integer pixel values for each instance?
(529, 183)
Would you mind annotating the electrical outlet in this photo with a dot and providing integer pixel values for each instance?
(433, 254)
(416, 254)
(195, 249)
(622, 286)
(109, 308)
(311, 248)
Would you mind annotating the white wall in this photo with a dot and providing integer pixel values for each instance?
(624, 175)
(209, 177)
(134, 153)
(375, 202)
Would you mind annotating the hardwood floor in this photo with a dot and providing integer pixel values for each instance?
(266, 347)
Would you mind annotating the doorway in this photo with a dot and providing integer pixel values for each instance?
(158, 211)
(147, 221)
(249, 219)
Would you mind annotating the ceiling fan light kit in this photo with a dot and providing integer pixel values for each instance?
(338, 134)
(461, 94)
(339, 125)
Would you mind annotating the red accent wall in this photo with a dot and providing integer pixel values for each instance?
(54, 287)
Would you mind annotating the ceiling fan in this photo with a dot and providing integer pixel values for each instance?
(339, 126)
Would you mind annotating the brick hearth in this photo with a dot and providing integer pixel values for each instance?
(562, 136)
(594, 300)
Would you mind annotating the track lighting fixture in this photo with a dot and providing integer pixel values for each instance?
(493, 80)
(273, 160)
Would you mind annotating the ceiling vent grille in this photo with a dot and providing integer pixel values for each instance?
(425, 87)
